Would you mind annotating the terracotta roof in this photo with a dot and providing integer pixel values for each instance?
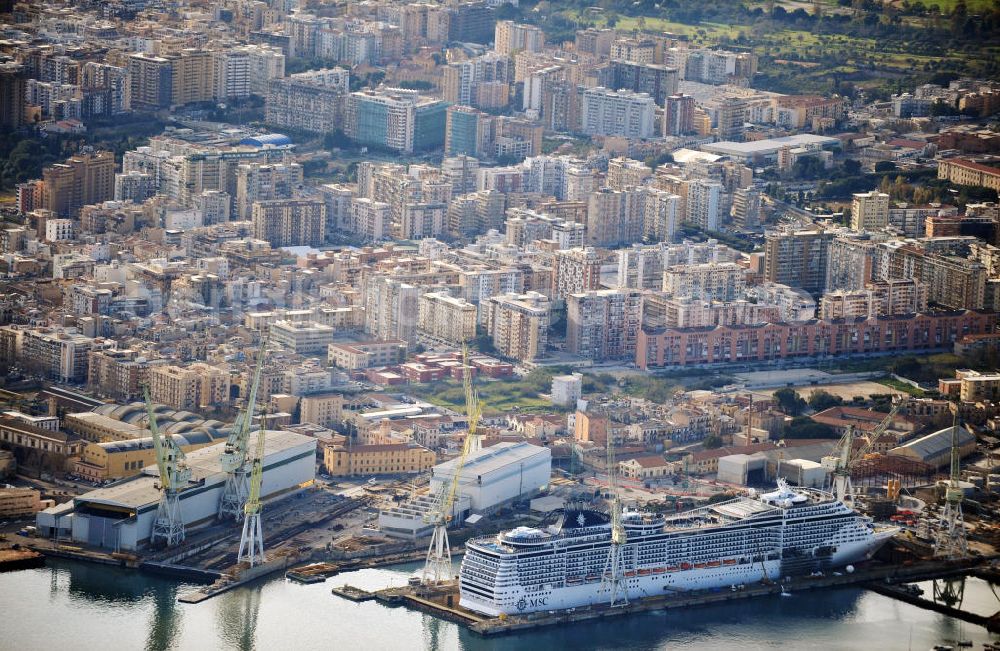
(972, 165)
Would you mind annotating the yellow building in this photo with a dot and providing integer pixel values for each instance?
(341, 461)
(118, 459)
(191, 81)
(323, 409)
(100, 428)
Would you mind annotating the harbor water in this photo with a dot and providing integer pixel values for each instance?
(69, 605)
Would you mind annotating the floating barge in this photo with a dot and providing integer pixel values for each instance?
(352, 593)
(314, 573)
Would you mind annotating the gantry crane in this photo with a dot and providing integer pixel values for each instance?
(613, 580)
(252, 540)
(437, 568)
(951, 541)
(843, 486)
(168, 527)
(235, 459)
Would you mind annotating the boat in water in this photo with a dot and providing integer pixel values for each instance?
(787, 532)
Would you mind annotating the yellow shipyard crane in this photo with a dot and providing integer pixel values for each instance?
(168, 527)
(843, 487)
(235, 456)
(252, 540)
(437, 568)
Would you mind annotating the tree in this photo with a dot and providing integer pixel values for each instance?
(712, 442)
(789, 401)
(820, 400)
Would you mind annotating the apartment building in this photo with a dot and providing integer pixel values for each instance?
(797, 258)
(446, 319)
(702, 205)
(869, 211)
(150, 82)
(659, 347)
(622, 113)
(80, 180)
(576, 270)
(396, 119)
(302, 337)
(391, 309)
(189, 388)
(117, 374)
(878, 298)
(323, 409)
(603, 324)
(367, 354)
(55, 354)
(711, 281)
(518, 324)
(313, 101)
(511, 37)
(265, 182)
(678, 115)
(289, 222)
(615, 217)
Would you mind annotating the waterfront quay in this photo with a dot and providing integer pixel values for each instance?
(442, 601)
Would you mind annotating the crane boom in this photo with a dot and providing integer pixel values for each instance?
(161, 459)
(256, 476)
(234, 455)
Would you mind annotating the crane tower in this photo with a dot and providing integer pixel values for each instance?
(951, 541)
(252, 540)
(235, 462)
(613, 580)
(168, 527)
(437, 567)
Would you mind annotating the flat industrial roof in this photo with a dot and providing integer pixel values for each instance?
(767, 146)
(492, 458)
(204, 464)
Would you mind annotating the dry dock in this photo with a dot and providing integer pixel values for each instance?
(442, 601)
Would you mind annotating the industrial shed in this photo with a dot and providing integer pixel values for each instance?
(120, 516)
(743, 469)
(935, 449)
(804, 473)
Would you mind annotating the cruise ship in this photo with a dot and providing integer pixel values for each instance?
(787, 532)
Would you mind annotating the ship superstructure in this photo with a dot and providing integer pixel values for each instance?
(787, 532)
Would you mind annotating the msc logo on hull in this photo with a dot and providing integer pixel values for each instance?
(540, 602)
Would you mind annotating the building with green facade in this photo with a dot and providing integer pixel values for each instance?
(397, 119)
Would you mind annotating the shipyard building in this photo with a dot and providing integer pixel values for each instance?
(120, 516)
(491, 478)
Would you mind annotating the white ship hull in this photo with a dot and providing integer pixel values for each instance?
(639, 587)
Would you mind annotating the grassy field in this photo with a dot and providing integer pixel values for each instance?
(496, 396)
(901, 386)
